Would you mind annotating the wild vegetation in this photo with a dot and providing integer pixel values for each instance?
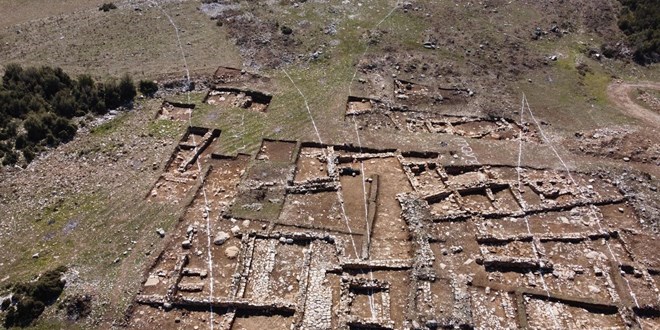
(148, 87)
(107, 6)
(44, 101)
(640, 21)
(30, 299)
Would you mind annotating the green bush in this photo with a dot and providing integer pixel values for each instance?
(640, 21)
(127, 90)
(25, 312)
(89, 96)
(11, 157)
(148, 87)
(44, 99)
(28, 154)
(32, 298)
(50, 127)
(8, 130)
(64, 104)
(21, 142)
(35, 127)
(107, 7)
(286, 30)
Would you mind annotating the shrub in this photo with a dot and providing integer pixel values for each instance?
(24, 313)
(49, 127)
(107, 7)
(77, 306)
(88, 96)
(28, 154)
(639, 20)
(32, 298)
(127, 90)
(11, 157)
(64, 104)
(36, 130)
(44, 99)
(286, 30)
(111, 95)
(8, 130)
(21, 141)
(63, 129)
(148, 87)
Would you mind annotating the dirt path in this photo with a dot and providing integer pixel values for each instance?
(619, 93)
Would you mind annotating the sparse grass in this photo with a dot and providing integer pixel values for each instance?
(51, 231)
(596, 86)
(49, 324)
(195, 97)
(161, 128)
(144, 46)
(112, 125)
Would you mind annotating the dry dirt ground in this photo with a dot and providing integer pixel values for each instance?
(389, 165)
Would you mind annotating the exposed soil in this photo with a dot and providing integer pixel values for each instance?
(620, 94)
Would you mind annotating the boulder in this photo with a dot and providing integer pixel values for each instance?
(232, 252)
(221, 238)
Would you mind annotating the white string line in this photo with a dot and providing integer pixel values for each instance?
(524, 208)
(592, 211)
(364, 186)
(518, 169)
(178, 39)
(357, 133)
(547, 140)
(366, 218)
(318, 136)
(366, 49)
(309, 112)
(207, 209)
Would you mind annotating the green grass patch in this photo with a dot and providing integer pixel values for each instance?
(162, 128)
(111, 126)
(595, 84)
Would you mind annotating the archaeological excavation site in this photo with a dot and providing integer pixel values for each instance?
(303, 234)
(314, 236)
(329, 165)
